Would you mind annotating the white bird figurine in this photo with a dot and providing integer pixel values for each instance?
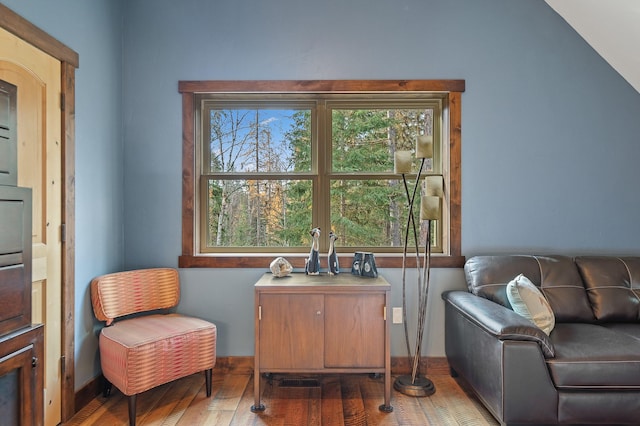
(334, 267)
(312, 264)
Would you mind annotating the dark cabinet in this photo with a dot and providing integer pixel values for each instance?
(21, 343)
(21, 380)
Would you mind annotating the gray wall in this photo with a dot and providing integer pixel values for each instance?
(549, 141)
(549, 135)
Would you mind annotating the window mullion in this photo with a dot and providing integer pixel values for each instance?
(322, 151)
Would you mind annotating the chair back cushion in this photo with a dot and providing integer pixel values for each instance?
(129, 292)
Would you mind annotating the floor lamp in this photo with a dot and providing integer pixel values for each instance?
(430, 209)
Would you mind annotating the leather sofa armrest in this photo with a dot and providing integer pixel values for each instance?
(497, 320)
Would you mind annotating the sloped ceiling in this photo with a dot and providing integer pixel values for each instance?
(611, 27)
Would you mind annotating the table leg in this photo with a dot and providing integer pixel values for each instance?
(257, 406)
(386, 407)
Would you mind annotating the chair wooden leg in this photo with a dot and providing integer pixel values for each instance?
(132, 410)
(207, 378)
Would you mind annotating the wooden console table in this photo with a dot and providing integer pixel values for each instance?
(322, 324)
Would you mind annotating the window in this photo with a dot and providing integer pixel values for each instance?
(266, 161)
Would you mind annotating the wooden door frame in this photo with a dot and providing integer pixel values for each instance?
(69, 61)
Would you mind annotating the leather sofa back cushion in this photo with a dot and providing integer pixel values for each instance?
(557, 277)
(613, 286)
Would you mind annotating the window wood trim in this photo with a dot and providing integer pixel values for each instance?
(188, 89)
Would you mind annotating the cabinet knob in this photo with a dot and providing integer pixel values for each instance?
(318, 313)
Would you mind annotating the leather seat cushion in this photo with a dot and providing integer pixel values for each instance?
(590, 356)
(630, 329)
(140, 353)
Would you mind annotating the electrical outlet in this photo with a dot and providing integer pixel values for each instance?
(397, 315)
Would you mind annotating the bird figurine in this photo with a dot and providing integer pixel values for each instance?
(334, 267)
(312, 263)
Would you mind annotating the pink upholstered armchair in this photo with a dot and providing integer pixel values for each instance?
(143, 351)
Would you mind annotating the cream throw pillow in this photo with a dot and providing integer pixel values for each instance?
(527, 300)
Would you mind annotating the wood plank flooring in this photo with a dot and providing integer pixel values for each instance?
(341, 400)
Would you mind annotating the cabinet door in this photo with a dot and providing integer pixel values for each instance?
(291, 331)
(354, 330)
(8, 140)
(15, 258)
(16, 387)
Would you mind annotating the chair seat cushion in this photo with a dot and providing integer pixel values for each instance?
(590, 356)
(140, 353)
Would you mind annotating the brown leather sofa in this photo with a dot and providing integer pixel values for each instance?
(586, 371)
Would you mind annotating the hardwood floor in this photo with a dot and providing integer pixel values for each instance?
(347, 400)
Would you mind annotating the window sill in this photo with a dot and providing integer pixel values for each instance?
(243, 260)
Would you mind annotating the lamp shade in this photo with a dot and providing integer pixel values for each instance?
(424, 146)
(430, 207)
(402, 162)
(434, 186)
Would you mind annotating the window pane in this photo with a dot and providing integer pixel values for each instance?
(258, 140)
(258, 213)
(373, 213)
(364, 140)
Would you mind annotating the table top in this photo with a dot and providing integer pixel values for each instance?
(300, 279)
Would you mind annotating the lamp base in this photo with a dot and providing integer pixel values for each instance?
(421, 387)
